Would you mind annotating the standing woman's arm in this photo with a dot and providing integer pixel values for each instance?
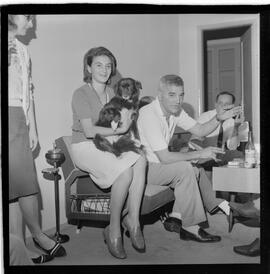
(33, 137)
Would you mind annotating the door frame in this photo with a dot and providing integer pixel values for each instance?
(255, 69)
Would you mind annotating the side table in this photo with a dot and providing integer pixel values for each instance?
(236, 179)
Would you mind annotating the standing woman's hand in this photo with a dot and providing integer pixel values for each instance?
(33, 138)
(11, 50)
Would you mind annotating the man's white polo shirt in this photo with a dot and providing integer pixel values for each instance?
(155, 132)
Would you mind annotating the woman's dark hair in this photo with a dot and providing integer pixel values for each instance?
(11, 23)
(88, 59)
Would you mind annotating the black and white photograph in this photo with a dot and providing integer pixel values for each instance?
(133, 136)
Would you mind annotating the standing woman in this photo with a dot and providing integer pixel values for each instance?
(23, 139)
(125, 174)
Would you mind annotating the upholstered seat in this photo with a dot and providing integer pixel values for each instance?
(79, 185)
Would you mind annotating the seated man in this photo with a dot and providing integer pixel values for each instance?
(225, 135)
(156, 124)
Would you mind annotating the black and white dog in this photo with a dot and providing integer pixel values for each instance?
(111, 114)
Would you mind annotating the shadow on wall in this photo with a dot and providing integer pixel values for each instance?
(188, 109)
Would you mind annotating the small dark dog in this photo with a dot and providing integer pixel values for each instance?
(112, 112)
(128, 89)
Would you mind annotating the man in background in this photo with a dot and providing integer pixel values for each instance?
(226, 135)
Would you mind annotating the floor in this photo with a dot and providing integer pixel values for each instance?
(163, 247)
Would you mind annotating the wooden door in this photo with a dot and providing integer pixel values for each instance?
(223, 70)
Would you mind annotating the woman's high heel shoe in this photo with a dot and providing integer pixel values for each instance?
(43, 258)
(115, 247)
(56, 251)
(136, 236)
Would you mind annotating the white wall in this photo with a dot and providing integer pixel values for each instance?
(190, 55)
(145, 46)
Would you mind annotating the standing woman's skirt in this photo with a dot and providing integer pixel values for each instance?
(22, 174)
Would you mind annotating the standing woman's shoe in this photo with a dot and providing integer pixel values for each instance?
(136, 236)
(115, 246)
(56, 251)
(43, 258)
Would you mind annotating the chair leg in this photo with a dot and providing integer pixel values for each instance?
(231, 217)
(79, 227)
(231, 221)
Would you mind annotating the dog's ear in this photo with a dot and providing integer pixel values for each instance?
(138, 85)
(116, 89)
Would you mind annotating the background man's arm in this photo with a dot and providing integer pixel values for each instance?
(208, 127)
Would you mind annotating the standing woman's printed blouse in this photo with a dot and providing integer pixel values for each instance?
(20, 88)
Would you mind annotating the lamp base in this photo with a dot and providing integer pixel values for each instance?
(60, 238)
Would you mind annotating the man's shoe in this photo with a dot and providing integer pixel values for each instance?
(246, 210)
(251, 222)
(202, 236)
(172, 224)
(250, 250)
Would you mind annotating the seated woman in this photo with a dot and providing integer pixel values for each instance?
(125, 174)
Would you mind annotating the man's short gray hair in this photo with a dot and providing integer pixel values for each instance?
(170, 80)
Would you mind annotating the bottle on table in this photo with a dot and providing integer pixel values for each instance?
(250, 152)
